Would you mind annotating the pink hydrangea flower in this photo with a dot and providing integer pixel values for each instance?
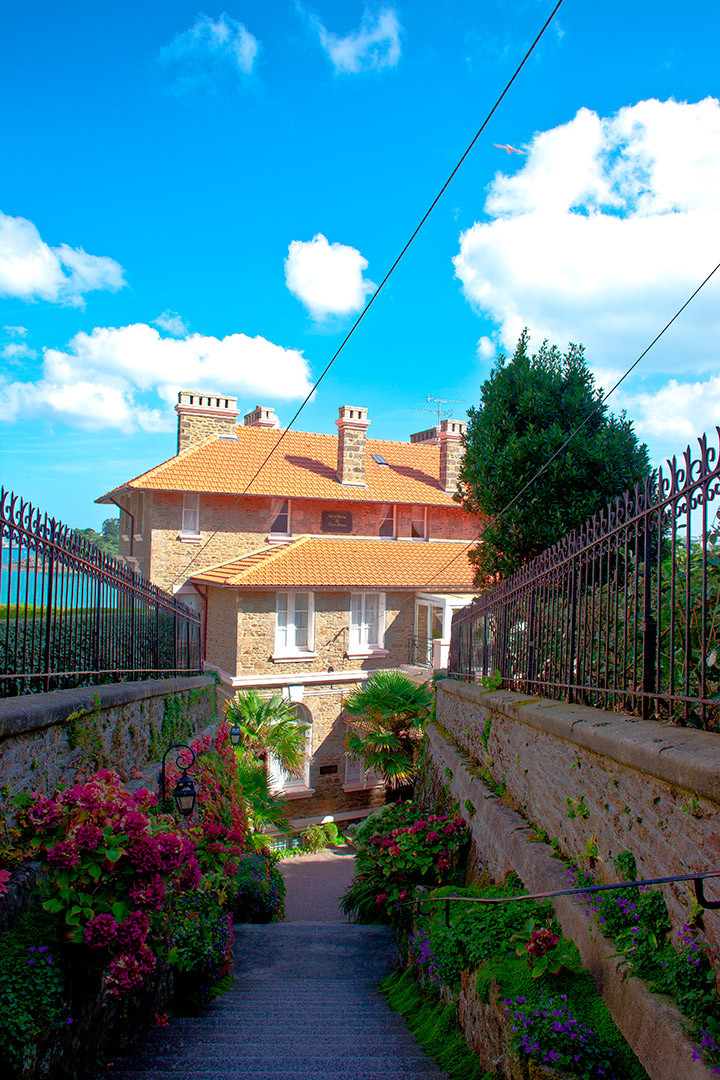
(191, 875)
(101, 931)
(5, 876)
(88, 836)
(133, 931)
(64, 853)
(150, 892)
(129, 971)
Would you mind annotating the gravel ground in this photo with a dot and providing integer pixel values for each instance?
(315, 882)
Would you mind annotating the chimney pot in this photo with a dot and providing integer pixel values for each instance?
(262, 416)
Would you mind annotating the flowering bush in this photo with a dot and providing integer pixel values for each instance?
(421, 849)
(202, 947)
(638, 921)
(110, 865)
(260, 889)
(544, 950)
(33, 998)
(550, 1034)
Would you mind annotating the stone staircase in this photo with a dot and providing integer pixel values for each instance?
(304, 1006)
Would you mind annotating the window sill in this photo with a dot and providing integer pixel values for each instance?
(366, 654)
(190, 538)
(293, 658)
(297, 793)
(278, 538)
(369, 785)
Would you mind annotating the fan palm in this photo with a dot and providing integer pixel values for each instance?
(269, 725)
(389, 713)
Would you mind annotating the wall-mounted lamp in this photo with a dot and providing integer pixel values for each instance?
(235, 735)
(184, 792)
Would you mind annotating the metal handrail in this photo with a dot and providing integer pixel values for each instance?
(698, 880)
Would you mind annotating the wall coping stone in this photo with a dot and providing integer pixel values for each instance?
(32, 712)
(683, 757)
(650, 1022)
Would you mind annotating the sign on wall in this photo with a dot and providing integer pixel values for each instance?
(336, 521)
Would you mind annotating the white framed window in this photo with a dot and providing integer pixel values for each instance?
(294, 623)
(191, 515)
(419, 523)
(367, 622)
(354, 771)
(387, 522)
(295, 784)
(280, 524)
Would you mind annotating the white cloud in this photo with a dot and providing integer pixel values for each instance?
(210, 48)
(15, 331)
(678, 411)
(486, 348)
(373, 46)
(31, 270)
(327, 278)
(17, 350)
(128, 377)
(608, 226)
(171, 323)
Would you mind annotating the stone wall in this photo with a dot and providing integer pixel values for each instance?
(449, 777)
(46, 739)
(599, 783)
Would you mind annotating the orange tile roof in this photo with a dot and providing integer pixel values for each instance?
(304, 467)
(320, 562)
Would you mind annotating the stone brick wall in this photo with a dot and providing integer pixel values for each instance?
(244, 528)
(599, 783)
(193, 428)
(46, 739)
(252, 631)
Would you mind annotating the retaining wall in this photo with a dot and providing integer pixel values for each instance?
(599, 783)
(47, 739)
(650, 1022)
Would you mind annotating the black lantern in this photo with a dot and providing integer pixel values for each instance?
(235, 735)
(185, 795)
(184, 792)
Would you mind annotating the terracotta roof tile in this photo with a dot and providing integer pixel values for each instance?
(318, 562)
(304, 466)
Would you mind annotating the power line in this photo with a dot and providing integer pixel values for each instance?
(380, 287)
(571, 436)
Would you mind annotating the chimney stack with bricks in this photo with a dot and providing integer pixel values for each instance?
(452, 451)
(263, 417)
(352, 425)
(202, 415)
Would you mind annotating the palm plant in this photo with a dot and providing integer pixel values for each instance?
(269, 725)
(389, 713)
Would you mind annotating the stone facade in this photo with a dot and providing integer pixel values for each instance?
(601, 783)
(47, 739)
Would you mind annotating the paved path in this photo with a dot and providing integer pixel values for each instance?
(304, 1005)
(315, 882)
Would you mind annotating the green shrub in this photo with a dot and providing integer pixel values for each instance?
(261, 889)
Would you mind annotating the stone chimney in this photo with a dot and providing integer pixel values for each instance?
(201, 415)
(352, 425)
(262, 417)
(452, 451)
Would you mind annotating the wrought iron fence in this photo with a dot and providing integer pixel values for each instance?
(623, 613)
(71, 615)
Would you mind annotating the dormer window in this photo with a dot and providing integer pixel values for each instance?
(387, 522)
(280, 525)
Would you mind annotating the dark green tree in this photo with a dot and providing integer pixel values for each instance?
(529, 406)
(108, 541)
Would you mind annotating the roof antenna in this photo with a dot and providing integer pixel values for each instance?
(440, 401)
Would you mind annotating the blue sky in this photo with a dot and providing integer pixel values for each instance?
(202, 197)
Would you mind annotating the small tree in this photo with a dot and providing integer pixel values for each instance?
(529, 406)
(389, 711)
(269, 725)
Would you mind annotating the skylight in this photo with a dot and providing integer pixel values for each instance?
(380, 459)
